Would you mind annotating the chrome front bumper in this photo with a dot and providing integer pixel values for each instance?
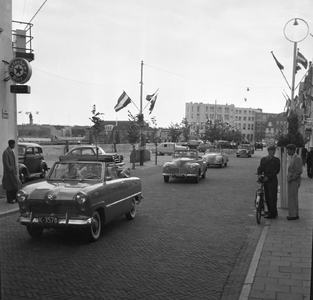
(62, 222)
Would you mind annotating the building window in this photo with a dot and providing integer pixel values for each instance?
(249, 118)
(226, 110)
(226, 117)
(244, 112)
(243, 126)
(212, 109)
(245, 118)
(239, 118)
(248, 126)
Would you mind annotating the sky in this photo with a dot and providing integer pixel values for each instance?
(88, 52)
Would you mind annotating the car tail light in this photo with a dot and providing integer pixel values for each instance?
(21, 196)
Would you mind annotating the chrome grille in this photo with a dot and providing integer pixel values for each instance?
(56, 207)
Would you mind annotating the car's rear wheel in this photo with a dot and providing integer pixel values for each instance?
(225, 164)
(95, 228)
(166, 178)
(132, 213)
(34, 232)
(204, 174)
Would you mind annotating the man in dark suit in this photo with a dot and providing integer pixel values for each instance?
(10, 181)
(309, 163)
(294, 181)
(270, 167)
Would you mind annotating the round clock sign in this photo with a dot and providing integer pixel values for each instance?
(20, 70)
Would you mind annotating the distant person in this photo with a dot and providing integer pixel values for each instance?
(294, 181)
(309, 163)
(10, 181)
(304, 153)
(270, 167)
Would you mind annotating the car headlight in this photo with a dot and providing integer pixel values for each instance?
(21, 196)
(81, 198)
(192, 167)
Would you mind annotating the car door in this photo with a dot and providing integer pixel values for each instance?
(118, 191)
(38, 157)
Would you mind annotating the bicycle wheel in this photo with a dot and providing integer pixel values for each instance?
(258, 208)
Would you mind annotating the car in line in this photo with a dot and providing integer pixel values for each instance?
(185, 164)
(258, 145)
(244, 150)
(84, 195)
(91, 153)
(215, 157)
(31, 162)
(169, 148)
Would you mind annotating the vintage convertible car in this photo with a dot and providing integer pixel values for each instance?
(77, 194)
(185, 164)
(215, 157)
(244, 150)
(89, 152)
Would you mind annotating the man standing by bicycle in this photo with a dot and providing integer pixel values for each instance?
(270, 167)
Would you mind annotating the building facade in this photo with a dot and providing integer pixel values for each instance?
(197, 115)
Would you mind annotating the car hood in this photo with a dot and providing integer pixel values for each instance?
(59, 190)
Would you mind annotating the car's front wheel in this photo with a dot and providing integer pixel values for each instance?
(34, 232)
(166, 178)
(197, 179)
(95, 228)
(132, 213)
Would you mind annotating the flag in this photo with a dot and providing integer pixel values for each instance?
(298, 68)
(152, 103)
(37, 112)
(279, 65)
(20, 112)
(302, 60)
(245, 99)
(150, 97)
(122, 102)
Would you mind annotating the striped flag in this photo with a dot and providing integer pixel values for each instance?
(152, 103)
(122, 102)
(302, 60)
(279, 65)
(150, 97)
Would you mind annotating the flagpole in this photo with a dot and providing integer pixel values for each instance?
(141, 118)
(293, 106)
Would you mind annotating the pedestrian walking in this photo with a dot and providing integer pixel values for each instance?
(309, 163)
(294, 181)
(270, 167)
(304, 153)
(10, 181)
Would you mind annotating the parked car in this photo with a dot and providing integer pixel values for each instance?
(215, 157)
(185, 164)
(169, 148)
(78, 194)
(31, 161)
(204, 146)
(244, 150)
(258, 145)
(89, 153)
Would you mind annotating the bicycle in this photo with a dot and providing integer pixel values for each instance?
(260, 201)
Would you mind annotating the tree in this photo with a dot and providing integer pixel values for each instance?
(293, 135)
(185, 129)
(133, 132)
(97, 126)
(175, 132)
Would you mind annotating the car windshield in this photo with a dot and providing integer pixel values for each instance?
(244, 146)
(213, 150)
(184, 154)
(76, 171)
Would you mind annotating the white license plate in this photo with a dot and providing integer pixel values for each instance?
(48, 220)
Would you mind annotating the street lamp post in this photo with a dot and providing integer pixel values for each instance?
(295, 31)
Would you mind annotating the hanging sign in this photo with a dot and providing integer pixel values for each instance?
(20, 70)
